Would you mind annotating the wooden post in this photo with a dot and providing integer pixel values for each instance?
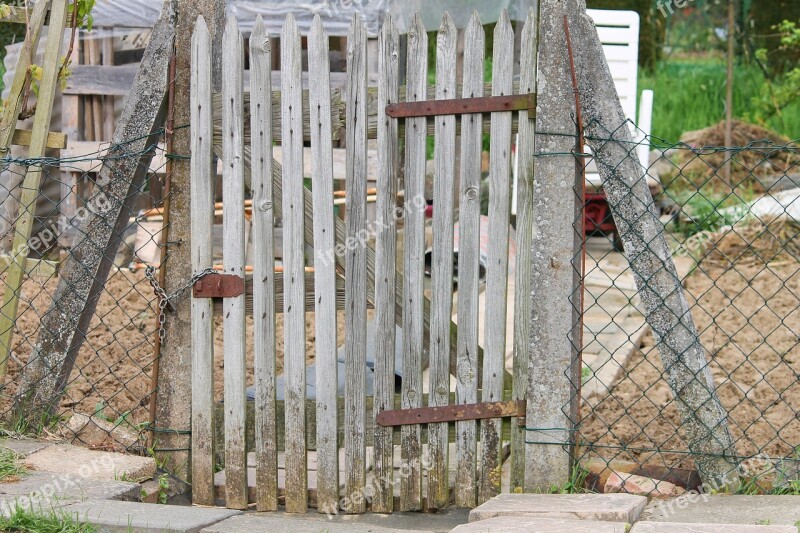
(355, 336)
(726, 169)
(233, 260)
(23, 225)
(497, 269)
(173, 409)
(414, 263)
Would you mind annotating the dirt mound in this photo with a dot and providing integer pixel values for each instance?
(756, 242)
(758, 155)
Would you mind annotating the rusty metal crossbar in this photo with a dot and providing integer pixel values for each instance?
(463, 106)
(451, 413)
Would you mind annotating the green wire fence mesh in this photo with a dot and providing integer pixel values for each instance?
(731, 216)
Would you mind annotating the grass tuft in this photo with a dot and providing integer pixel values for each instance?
(25, 521)
(10, 467)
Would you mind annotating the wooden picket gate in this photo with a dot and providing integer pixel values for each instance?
(353, 274)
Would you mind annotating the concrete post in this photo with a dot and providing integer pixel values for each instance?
(662, 298)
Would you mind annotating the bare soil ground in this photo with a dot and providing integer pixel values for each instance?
(112, 374)
(748, 315)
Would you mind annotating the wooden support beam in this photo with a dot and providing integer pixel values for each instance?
(13, 103)
(86, 269)
(54, 139)
(23, 226)
(33, 267)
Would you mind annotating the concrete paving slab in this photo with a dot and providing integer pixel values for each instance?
(24, 447)
(672, 527)
(134, 517)
(752, 510)
(45, 491)
(611, 507)
(515, 524)
(305, 524)
(52, 486)
(92, 464)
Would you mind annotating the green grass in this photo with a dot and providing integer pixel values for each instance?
(10, 467)
(42, 522)
(690, 95)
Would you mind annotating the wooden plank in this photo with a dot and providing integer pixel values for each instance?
(355, 282)
(108, 100)
(234, 259)
(13, 103)
(21, 15)
(311, 416)
(524, 227)
(294, 263)
(96, 101)
(551, 382)
(469, 264)
(55, 139)
(414, 264)
(70, 124)
(30, 186)
(116, 80)
(202, 205)
(442, 267)
(324, 271)
(385, 259)
(33, 267)
(263, 270)
(497, 261)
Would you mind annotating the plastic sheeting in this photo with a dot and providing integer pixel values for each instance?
(402, 11)
(336, 15)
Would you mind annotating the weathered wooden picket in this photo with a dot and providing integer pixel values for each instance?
(430, 338)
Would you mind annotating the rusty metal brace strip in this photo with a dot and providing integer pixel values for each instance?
(218, 286)
(451, 413)
(580, 177)
(463, 106)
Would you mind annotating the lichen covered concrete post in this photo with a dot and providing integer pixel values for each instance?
(662, 298)
(554, 366)
(84, 273)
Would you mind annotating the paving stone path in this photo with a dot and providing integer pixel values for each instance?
(97, 487)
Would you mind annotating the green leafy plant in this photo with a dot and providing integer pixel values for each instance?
(784, 90)
(576, 483)
(10, 467)
(163, 488)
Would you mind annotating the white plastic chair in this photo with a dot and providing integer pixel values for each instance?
(619, 34)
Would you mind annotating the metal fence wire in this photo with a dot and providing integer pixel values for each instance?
(731, 217)
(733, 237)
(105, 400)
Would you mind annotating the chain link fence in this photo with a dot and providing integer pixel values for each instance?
(731, 217)
(105, 400)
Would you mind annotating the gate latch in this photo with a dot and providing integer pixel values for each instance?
(218, 286)
(451, 413)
